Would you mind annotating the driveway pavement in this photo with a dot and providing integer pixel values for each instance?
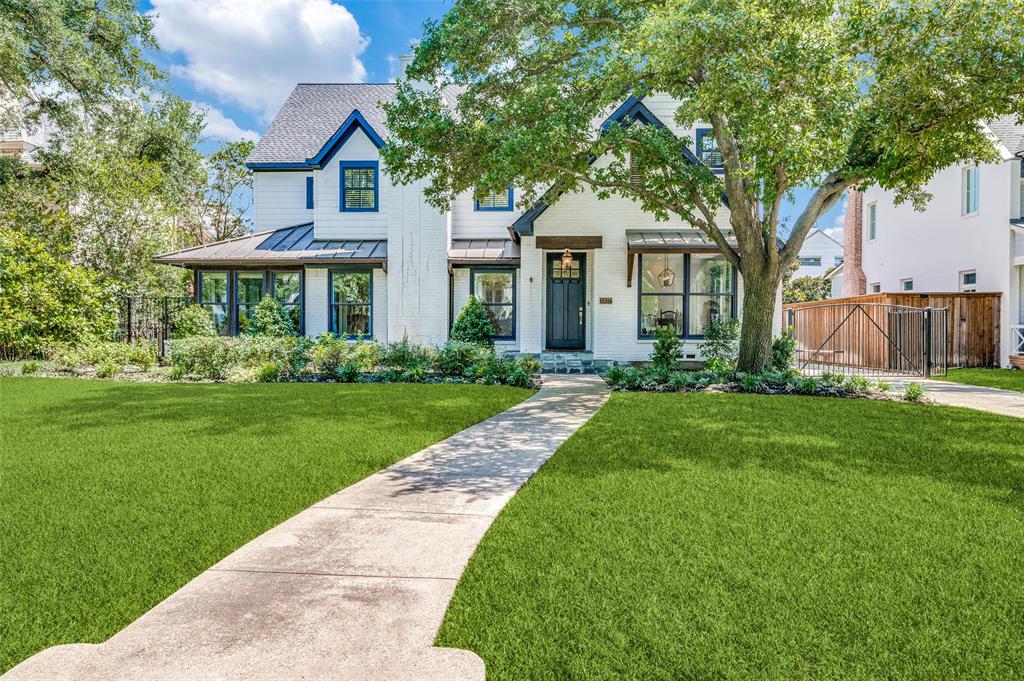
(354, 587)
(1007, 402)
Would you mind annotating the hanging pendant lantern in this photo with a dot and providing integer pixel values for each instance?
(667, 277)
(566, 259)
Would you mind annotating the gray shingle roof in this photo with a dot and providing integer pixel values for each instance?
(314, 111)
(1009, 132)
(291, 245)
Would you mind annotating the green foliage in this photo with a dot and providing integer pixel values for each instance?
(255, 351)
(720, 344)
(913, 392)
(473, 325)
(108, 369)
(29, 368)
(193, 320)
(327, 354)
(883, 386)
(857, 384)
(615, 375)
(530, 365)
(719, 368)
(819, 94)
(268, 372)
(784, 351)
(457, 358)
(348, 372)
(406, 356)
(666, 352)
(751, 383)
(269, 319)
(202, 357)
(45, 301)
(803, 289)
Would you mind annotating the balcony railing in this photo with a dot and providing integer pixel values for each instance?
(1017, 340)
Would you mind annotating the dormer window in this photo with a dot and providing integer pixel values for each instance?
(498, 201)
(359, 186)
(707, 148)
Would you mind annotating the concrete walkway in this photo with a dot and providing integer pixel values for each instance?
(354, 587)
(1007, 402)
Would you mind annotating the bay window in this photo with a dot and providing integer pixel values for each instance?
(351, 308)
(684, 292)
(213, 295)
(495, 289)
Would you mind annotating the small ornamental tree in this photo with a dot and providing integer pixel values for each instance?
(817, 94)
(666, 351)
(269, 319)
(473, 324)
(192, 321)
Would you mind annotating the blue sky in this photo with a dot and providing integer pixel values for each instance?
(238, 59)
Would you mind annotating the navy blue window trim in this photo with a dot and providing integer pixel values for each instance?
(711, 157)
(309, 192)
(331, 304)
(355, 186)
(497, 270)
(509, 205)
(227, 324)
(686, 295)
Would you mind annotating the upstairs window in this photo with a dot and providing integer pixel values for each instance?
(359, 186)
(907, 284)
(839, 260)
(810, 262)
(971, 201)
(707, 148)
(875, 287)
(309, 193)
(872, 219)
(498, 201)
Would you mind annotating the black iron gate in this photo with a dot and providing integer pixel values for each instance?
(149, 318)
(870, 339)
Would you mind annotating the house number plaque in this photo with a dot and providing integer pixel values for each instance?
(605, 301)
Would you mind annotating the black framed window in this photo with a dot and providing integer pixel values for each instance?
(213, 295)
(496, 290)
(351, 312)
(287, 290)
(250, 286)
(684, 291)
(707, 148)
(498, 201)
(359, 186)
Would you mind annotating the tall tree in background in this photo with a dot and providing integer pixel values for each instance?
(60, 58)
(821, 93)
(220, 203)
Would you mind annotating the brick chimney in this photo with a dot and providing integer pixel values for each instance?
(854, 281)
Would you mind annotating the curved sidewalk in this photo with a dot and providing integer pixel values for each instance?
(354, 587)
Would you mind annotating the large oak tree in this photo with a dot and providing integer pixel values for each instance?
(825, 94)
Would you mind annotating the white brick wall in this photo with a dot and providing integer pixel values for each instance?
(315, 301)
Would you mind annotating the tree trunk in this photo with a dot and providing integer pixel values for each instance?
(759, 292)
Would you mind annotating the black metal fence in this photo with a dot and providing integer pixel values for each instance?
(870, 339)
(149, 318)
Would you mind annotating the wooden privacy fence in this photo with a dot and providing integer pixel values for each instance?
(971, 334)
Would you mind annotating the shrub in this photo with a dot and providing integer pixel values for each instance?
(29, 368)
(192, 321)
(502, 370)
(883, 387)
(751, 383)
(143, 355)
(367, 354)
(107, 369)
(681, 380)
(718, 368)
(784, 351)
(631, 378)
(203, 357)
(328, 353)
(666, 352)
(255, 351)
(457, 358)
(807, 386)
(857, 384)
(348, 372)
(913, 392)
(832, 379)
(177, 372)
(473, 325)
(530, 365)
(47, 301)
(721, 341)
(406, 356)
(69, 359)
(269, 319)
(268, 372)
(615, 375)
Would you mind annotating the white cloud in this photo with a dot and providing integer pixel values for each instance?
(837, 230)
(253, 53)
(221, 127)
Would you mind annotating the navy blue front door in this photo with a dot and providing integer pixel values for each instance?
(566, 302)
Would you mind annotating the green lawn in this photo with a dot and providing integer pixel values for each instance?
(1007, 379)
(116, 494)
(711, 536)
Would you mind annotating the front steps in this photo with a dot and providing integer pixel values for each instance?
(569, 362)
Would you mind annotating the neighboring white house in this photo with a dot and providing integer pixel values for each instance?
(353, 253)
(969, 238)
(24, 141)
(819, 254)
(837, 281)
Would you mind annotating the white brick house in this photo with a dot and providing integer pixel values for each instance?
(353, 253)
(970, 237)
